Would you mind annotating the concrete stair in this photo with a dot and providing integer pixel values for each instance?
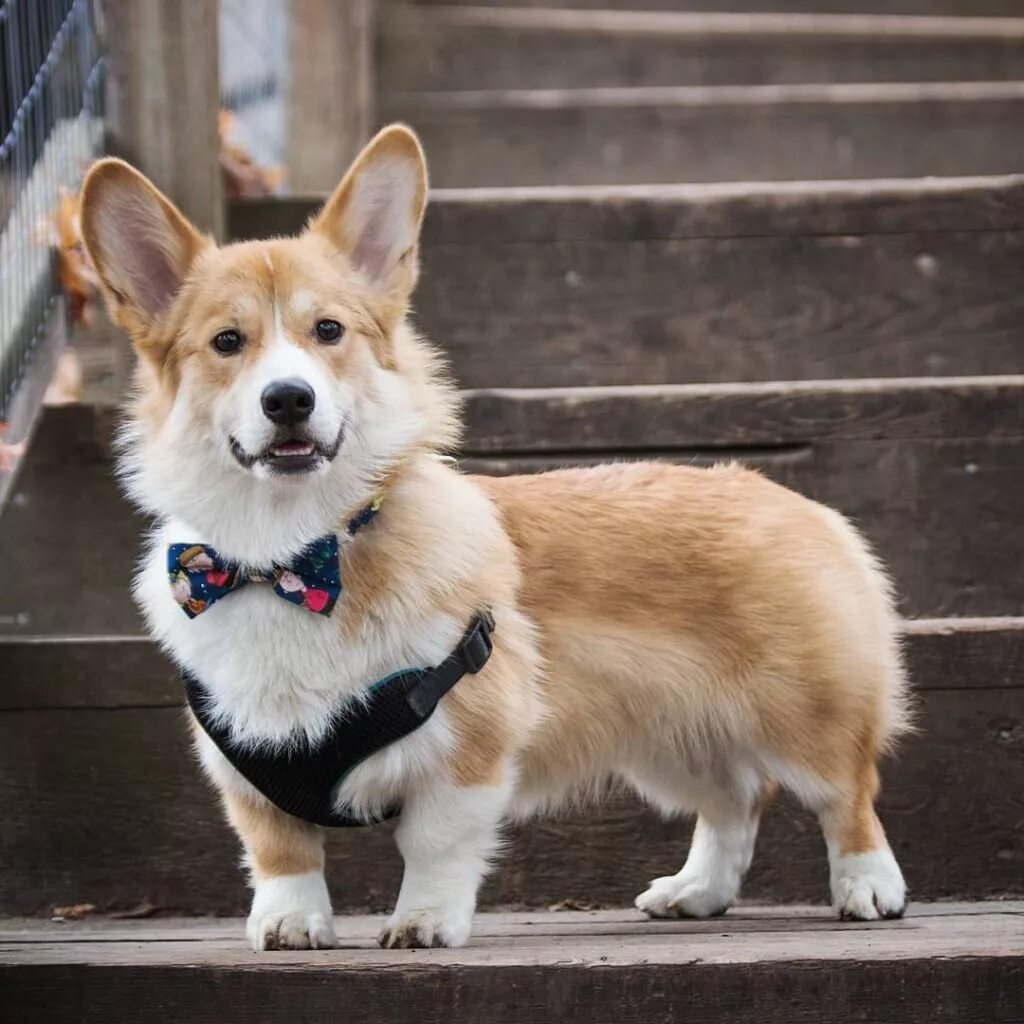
(858, 340)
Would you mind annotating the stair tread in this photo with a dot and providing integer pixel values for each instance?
(748, 934)
(712, 24)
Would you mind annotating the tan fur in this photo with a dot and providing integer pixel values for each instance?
(276, 843)
(690, 615)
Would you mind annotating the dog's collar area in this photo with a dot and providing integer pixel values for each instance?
(304, 781)
(199, 576)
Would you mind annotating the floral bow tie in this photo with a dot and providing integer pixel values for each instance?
(312, 580)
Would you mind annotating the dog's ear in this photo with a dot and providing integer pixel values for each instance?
(374, 215)
(140, 243)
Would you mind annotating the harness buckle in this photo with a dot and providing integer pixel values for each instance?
(477, 645)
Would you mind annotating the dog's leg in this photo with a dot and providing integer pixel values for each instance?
(866, 880)
(447, 835)
(291, 908)
(720, 853)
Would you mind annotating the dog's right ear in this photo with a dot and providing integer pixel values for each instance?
(140, 243)
(375, 214)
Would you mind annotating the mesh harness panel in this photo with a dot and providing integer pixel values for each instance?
(304, 781)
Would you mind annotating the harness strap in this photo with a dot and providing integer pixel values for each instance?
(304, 781)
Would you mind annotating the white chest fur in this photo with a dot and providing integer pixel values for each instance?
(277, 672)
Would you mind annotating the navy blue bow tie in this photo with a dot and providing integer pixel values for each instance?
(199, 576)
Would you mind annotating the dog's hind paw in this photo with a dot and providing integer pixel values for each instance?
(868, 886)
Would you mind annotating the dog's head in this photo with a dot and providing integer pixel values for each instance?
(278, 381)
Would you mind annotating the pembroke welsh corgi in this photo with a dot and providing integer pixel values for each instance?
(702, 635)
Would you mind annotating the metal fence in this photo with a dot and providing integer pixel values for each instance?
(51, 124)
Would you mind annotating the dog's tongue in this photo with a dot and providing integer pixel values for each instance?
(293, 448)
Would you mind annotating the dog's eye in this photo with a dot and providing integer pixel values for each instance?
(227, 342)
(329, 331)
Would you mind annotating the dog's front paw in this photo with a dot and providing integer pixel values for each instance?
(678, 896)
(291, 912)
(292, 931)
(423, 929)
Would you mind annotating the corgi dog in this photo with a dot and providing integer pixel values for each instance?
(702, 635)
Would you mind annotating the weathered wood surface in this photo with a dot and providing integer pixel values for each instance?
(923, 467)
(977, 8)
(69, 536)
(672, 284)
(104, 804)
(472, 47)
(331, 94)
(163, 98)
(956, 965)
(715, 133)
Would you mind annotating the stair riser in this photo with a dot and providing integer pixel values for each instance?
(673, 289)
(106, 805)
(418, 53)
(915, 991)
(570, 144)
(930, 474)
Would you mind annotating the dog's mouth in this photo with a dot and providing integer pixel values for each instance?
(289, 454)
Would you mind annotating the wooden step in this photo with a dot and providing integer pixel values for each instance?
(923, 466)
(104, 803)
(452, 48)
(942, 964)
(674, 284)
(974, 8)
(716, 133)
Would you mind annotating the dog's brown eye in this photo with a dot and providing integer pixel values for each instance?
(227, 342)
(328, 331)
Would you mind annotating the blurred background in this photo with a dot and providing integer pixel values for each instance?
(789, 232)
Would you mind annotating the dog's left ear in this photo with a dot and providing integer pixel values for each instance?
(374, 215)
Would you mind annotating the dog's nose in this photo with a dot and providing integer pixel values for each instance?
(287, 402)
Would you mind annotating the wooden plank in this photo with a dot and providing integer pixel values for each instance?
(164, 95)
(471, 47)
(62, 672)
(331, 92)
(784, 933)
(551, 287)
(666, 417)
(921, 467)
(955, 970)
(974, 8)
(84, 785)
(689, 133)
(941, 923)
(684, 212)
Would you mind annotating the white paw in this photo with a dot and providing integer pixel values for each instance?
(867, 886)
(291, 912)
(291, 931)
(422, 929)
(682, 896)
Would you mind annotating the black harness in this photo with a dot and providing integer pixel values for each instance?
(304, 782)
